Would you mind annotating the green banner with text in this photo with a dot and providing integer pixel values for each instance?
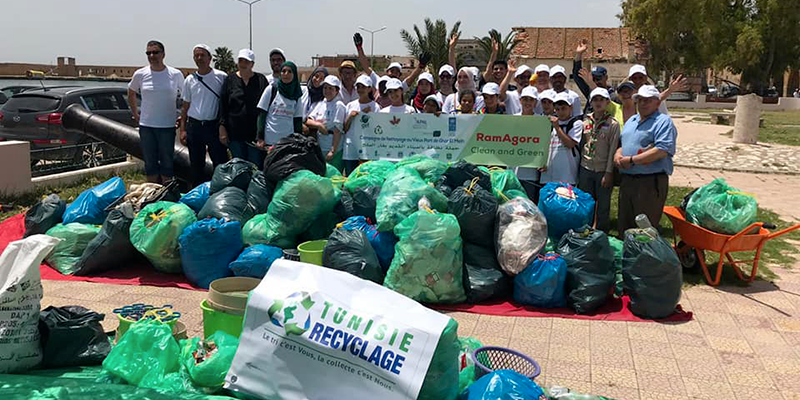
(513, 141)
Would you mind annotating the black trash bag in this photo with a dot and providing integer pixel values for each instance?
(234, 173)
(365, 201)
(651, 273)
(72, 336)
(229, 203)
(590, 268)
(344, 207)
(44, 215)
(476, 210)
(462, 171)
(112, 247)
(350, 251)
(685, 201)
(294, 153)
(259, 193)
(483, 278)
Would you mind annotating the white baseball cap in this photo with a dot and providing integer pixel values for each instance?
(562, 97)
(521, 70)
(529, 91)
(333, 81)
(542, 68)
(425, 76)
(395, 65)
(637, 69)
(447, 68)
(277, 50)
(364, 80)
(202, 46)
(394, 83)
(491, 88)
(434, 98)
(548, 94)
(600, 92)
(557, 69)
(247, 54)
(647, 91)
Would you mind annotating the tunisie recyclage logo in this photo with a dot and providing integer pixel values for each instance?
(292, 313)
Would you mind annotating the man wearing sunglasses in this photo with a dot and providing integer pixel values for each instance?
(160, 88)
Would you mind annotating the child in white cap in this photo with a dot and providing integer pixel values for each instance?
(394, 89)
(326, 119)
(352, 152)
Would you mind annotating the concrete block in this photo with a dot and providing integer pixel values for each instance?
(15, 164)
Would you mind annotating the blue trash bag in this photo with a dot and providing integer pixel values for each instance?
(197, 197)
(382, 242)
(90, 206)
(565, 207)
(207, 248)
(504, 384)
(255, 261)
(542, 284)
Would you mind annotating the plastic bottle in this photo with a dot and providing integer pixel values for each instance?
(648, 232)
(643, 222)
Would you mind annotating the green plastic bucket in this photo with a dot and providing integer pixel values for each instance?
(311, 252)
(216, 320)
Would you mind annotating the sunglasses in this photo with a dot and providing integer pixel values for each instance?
(152, 53)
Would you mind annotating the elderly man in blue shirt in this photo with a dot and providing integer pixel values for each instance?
(645, 160)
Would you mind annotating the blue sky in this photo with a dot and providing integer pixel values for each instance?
(114, 32)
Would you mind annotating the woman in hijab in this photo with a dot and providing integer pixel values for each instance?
(312, 92)
(465, 80)
(281, 108)
(424, 89)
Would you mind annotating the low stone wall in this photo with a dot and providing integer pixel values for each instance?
(784, 104)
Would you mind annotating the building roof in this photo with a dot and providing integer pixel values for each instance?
(560, 43)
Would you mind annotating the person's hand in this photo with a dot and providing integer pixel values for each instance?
(424, 59)
(608, 180)
(366, 110)
(329, 156)
(543, 169)
(454, 39)
(512, 66)
(583, 45)
(623, 162)
(585, 75)
(679, 84)
(183, 136)
(261, 144)
(354, 113)
(437, 113)
(495, 47)
(358, 40)
(223, 136)
(554, 120)
(322, 130)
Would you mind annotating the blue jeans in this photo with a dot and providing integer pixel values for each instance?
(240, 149)
(158, 148)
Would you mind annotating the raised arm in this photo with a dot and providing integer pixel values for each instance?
(451, 53)
(577, 67)
(423, 59)
(679, 84)
(487, 74)
(363, 60)
(512, 70)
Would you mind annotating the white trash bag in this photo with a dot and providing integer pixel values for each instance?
(521, 234)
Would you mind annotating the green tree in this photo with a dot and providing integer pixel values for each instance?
(434, 41)
(223, 59)
(505, 46)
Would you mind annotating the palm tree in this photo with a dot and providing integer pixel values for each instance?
(435, 41)
(506, 45)
(223, 59)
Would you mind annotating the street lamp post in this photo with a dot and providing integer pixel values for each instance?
(250, 5)
(371, 43)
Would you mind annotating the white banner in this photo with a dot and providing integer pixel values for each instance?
(316, 333)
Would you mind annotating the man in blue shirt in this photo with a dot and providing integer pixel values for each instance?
(645, 160)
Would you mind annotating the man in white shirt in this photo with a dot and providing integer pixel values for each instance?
(199, 122)
(638, 75)
(347, 74)
(522, 76)
(558, 78)
(160, 87)
(276, 58)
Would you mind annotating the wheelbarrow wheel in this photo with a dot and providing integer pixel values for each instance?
(688, 256)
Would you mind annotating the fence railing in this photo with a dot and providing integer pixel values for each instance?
(53, 160)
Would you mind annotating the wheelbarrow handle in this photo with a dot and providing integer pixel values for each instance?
(784, 231)
(769, 226)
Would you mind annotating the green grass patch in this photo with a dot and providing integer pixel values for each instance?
(67, 193)
(778, 252)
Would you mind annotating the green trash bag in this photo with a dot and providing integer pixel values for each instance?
(208, 361)
(75, 237)
(590, 268)
(299, 201)
(155, 231)
(371, 173)
(652, 274)
(428, 168)
(505, 184)
(145, 355)
(441, 381)
(616, 245)
(331, 171)
(399, 196)
(721, 208)
(467, 365)
(427, 264)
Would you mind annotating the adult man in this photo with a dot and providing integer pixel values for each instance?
(522, 77)
(347, 74)
(160, 87)
(446, 82)
(558, 78)
(238, 109)
(199, 123)
(598, 76)
(276, 58)
(638, 75)
(645, 160)
(495, 69)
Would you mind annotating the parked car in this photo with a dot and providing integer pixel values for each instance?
(35, 116)
(681, 96)
(712, 90)
(8, 91)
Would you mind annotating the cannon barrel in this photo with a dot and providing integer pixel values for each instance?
(78, 119)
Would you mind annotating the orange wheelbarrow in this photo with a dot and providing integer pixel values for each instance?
(700, 239)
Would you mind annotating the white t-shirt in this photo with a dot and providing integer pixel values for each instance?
(404, 109)
(562, 162)
(577, 109)
(451, 106)
(280, 117)
(271, 79)
(204, 104)
(160, 91)
(331, 113)
(352, 144)
(348, 97)
(513, 104)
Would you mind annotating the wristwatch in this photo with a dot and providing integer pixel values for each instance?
(632, 163)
